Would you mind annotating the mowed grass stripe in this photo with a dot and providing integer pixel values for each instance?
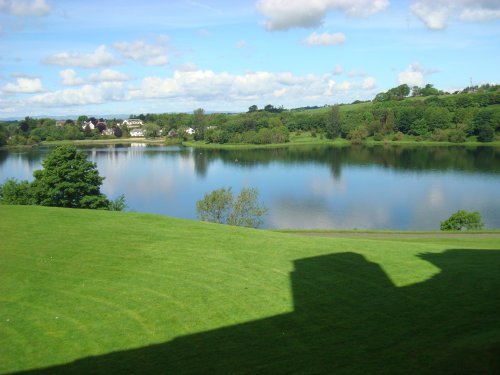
(145, 293)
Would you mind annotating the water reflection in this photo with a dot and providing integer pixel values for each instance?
(303, 187)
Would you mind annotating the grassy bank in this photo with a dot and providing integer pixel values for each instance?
(308, 139)
(107, 292)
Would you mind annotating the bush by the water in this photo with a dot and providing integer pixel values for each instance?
(220, 206)
(463, 220)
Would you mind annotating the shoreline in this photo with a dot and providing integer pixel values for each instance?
(237, 146)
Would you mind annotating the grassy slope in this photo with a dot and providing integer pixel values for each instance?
(157, 292)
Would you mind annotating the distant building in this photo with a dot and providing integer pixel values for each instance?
(190, 131)
(108, 131)
(89, 124)
(132, 123)
(137, 133)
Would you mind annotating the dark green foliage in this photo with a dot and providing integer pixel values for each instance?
(485, 133)
(151, 130)
(118, 204)
(199, 124)
(68, 179)
(220, 206)
(13, 191)
(333, 123)
(463, 220)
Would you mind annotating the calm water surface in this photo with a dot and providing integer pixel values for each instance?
(398, 188)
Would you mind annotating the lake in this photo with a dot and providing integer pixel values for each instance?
(393, 187)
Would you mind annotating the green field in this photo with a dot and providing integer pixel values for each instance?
(86, 291)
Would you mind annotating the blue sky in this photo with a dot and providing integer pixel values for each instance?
(105, 57)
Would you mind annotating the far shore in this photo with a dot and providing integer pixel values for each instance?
(302, 140)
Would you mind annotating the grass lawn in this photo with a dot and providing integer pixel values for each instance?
(86, 291)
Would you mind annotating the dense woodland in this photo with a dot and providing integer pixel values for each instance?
(400, 113)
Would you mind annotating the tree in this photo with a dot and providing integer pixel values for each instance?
(253, 108)
(219, 206)
(463, 220)
(246, 210)
(199, 124)
(151, 130)
(68, 179)
(16, 192)
(333, 123)
(215, 206)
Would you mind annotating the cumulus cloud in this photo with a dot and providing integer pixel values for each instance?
(25, 8)
(286, 14)
(101, 57)
(87, 94)
(324, 39)
(206, 85)
(70, 78)
(435, 13)
(369, 83)
(24, 85)
(413, 76)
(154, 54)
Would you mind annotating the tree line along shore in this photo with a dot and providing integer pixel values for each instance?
(400, 115)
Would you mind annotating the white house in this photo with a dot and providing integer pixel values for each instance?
(137, 133)
(190, 131)
(89, 124)
(131, 122)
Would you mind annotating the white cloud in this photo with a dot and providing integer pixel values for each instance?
(286, 14)
(70, 78)
(206, 85)
(369, 83)
(99, 58)
(241, 44)
(436, 13)
(109, 75)
(87, 94)
(24, 85)
(338, 70)
(324, 39)
(479, 14)
(149, 54)
(25, 8)
(413, 76)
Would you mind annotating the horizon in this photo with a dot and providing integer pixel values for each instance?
(73, 58)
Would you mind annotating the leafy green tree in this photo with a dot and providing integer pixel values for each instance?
(199, 124)
(429, 90)
(463, 220)
(151, 130)
(215, 206)
(246, 211)
(485, 133)
(333, 122)
(253, 108)
(68, 179)
(118, 204)
(220, 206)
(16, 192)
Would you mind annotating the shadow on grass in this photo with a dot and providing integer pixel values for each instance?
(348, 318)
